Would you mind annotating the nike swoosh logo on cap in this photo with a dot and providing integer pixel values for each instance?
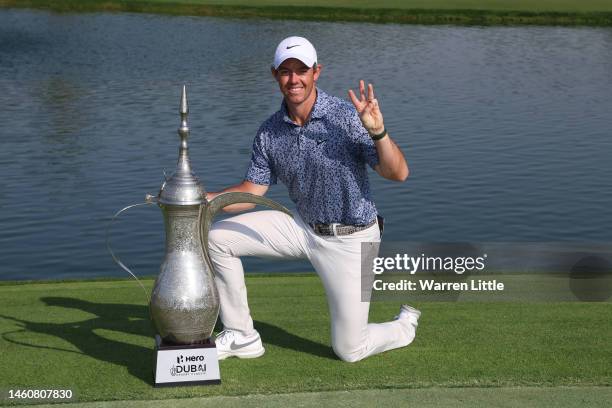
(235, 346)
(291, 46)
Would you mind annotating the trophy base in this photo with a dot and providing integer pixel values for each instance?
(180, 364)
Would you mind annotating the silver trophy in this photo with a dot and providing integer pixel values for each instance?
(184, 303)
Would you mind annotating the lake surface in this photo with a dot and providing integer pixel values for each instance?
(507, 130)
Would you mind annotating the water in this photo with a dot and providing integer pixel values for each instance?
(506, 130)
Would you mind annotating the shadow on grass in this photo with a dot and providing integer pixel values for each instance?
(121, 318)
(271, 334)
(279, 337)
(134, 320)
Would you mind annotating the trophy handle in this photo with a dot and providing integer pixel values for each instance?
(149, 200)
(209, 209)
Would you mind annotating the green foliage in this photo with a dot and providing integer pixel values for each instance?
(96, 339)
(467, 12)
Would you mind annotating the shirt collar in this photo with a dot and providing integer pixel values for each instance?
(318, 110)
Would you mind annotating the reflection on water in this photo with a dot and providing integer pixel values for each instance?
(506, 129)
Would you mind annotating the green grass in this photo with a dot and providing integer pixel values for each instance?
(521, 5)
(481, 12)
(96, 339)
(472, 397)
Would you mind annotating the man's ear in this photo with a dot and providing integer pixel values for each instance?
(273, 71)
(317, 71)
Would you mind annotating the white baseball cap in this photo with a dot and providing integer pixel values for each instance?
(295, 47)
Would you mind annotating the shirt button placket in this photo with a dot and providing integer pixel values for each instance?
(301, 138)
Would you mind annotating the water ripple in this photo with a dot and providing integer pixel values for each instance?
(506, 129)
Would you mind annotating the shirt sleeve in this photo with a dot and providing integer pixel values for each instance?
(260, 169)
(367, 148)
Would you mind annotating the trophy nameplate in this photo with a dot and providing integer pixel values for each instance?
(194, 364)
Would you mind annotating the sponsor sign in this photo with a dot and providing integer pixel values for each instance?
(176, 365)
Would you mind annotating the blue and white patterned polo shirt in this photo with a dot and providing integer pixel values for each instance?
(323, 163)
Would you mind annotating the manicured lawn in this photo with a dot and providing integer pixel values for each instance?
(95, 338)
(472, 397)
(478, 12)
(520, 5)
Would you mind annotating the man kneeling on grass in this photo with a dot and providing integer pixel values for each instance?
(318, 146)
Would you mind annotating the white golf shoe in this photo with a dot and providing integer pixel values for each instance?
(231, 343)
(409, 317)
(410, 314)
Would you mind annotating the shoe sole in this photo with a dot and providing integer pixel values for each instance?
(245, 355)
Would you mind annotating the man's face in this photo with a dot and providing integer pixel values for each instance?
(296, 81)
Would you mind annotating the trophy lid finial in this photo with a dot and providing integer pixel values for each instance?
(183, 188)
(184, 129)
(183, 109)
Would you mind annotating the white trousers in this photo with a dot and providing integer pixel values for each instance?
(337, 261)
